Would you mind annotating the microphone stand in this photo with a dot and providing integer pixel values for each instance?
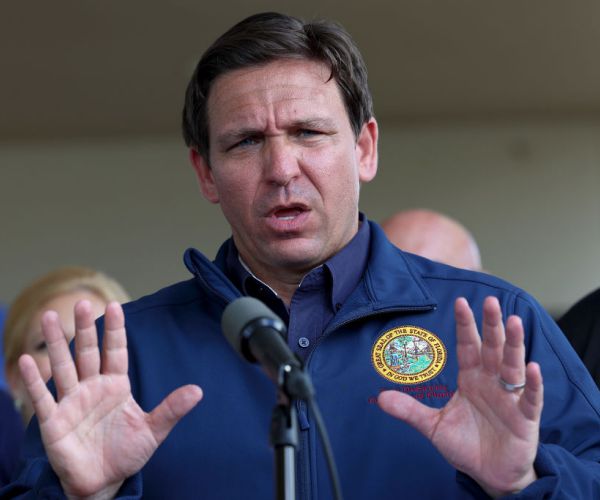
(293, 383)
(284, 439)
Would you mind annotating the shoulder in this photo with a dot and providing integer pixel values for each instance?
(177, 294)
(390, 263)
(157, 312)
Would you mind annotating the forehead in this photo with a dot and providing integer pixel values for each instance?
(274, 89)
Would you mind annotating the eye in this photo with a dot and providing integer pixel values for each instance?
(248, 141)
(245, 142)
(40, 346)
(307, 132)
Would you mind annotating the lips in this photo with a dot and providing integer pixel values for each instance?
(287, 213)
(288, 218)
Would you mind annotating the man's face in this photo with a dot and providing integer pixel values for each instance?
(284, 164)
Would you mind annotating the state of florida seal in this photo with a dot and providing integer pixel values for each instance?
(408, 355)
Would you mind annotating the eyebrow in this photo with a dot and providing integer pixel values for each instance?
(234, 136)
(319, 123)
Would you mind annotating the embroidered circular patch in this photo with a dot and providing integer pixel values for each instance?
(408, 355)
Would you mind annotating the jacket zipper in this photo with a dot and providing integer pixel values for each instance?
(305, 424)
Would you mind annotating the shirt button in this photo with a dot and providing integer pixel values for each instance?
(303, 342)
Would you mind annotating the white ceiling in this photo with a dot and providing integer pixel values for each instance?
(85, 68)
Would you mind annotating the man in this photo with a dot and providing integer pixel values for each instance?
(581, 325)
(281, 132)
(434, 236)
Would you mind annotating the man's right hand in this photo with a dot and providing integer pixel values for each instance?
(95, 434)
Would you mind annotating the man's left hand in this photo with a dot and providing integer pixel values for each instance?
(489, 429)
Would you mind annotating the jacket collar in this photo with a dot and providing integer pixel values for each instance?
(211, 275)
(391, 281)
(392, 277)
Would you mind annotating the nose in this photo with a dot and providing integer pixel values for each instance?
(281, 163)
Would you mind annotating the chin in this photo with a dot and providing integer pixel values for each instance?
(296, 256)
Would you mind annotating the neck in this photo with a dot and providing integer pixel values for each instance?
(283, 282)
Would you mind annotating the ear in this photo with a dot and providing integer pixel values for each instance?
(366, 150)
(205, 176)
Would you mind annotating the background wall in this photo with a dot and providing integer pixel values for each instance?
(489, 111)
(528, 191)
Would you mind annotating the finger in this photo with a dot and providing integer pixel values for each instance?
(468, 343)
(41, 398)
(512, 369)
(532, 399)
(61, 361)
(409, 410)
(114, 350)
(493, 335)
(87, 356)
(177, 404)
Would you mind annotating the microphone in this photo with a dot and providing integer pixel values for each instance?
(257, 334)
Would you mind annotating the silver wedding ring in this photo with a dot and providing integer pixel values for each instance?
(510, 387)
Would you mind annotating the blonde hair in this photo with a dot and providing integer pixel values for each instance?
(61, 281)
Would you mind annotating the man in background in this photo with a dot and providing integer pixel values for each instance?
(434, 236)
(581, 325)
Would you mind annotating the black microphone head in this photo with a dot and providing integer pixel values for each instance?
(239, 314)
(257, 334)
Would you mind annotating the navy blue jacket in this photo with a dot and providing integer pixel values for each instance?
(221, 451)
(11, 437)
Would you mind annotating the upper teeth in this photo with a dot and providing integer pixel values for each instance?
(287, 217)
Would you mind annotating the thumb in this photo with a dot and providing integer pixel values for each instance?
(177, 404)
(408, 409)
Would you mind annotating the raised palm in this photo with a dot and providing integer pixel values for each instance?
(94, 433)
(485, 431)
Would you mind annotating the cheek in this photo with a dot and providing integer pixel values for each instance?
(234, 184)
(340, 188)
(237, 195)
(336, 173)
(235, 204)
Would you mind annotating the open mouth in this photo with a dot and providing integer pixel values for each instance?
(289, 218)
(287, 213)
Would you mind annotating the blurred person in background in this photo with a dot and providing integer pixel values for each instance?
(434, 236)
(58, 291)
(581, 325)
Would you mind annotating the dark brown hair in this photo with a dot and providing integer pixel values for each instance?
(263, 38)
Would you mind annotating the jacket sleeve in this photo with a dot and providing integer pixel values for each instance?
(37, 480)
(568, 458)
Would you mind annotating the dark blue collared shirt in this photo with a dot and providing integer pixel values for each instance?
(319, 296)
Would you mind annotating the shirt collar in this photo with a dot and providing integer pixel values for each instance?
(348, 265)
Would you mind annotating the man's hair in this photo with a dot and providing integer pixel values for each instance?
(263, 38)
